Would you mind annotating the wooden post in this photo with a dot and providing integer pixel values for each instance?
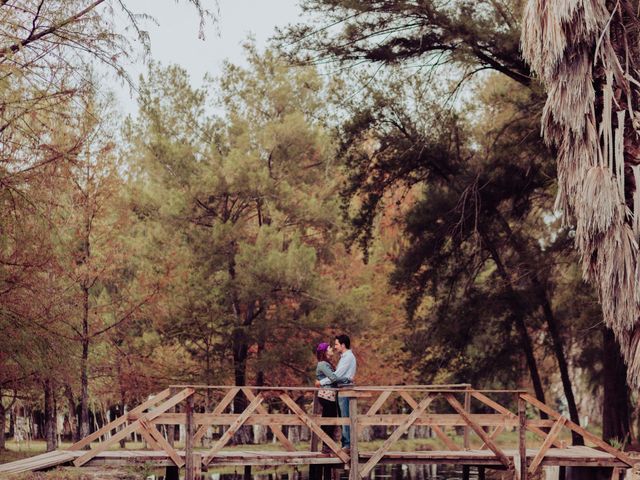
(354, 473)
(466, 471)
(197, 465)
(522, 439)
(467, 408)
(481, 473)
(171, 432)
(188, 448)
(317, 409)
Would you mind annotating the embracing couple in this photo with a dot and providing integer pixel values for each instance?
(340, 376)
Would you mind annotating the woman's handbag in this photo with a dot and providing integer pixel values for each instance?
(327, 394)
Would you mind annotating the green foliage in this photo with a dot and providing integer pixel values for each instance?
(245, 202)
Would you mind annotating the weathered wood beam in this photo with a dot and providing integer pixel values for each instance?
(382, 398)
(444, 438)
(276, 429)
(171, 402)
(478, 429)
(295, 408)
(395, 436)
(224, 403)
(532, 425)
(581, 431)
(120, 420)
(233, 428)
(555, 431)
(160, 440)
(496, 431)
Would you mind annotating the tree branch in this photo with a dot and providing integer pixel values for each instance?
(33, 37)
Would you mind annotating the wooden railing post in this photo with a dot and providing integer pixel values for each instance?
(522, 438)
(171, 429)
(467, 408)
(188, 448)
(354, 473)
(317, 410)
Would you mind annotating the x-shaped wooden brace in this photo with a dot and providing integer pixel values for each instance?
(500, 409)
(224, 403)
(586, 435)
(395, 436)
(444, 438)
(553, 434)
(276, 429)
(120, 420)
(134, 426)
(295, 408)
(233, 428)
(151, 431)
(478, 429)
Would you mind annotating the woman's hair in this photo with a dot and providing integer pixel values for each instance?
(322, 354)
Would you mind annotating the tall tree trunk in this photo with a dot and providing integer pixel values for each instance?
(260, 374)
(616, 421)
(50, 424)
(520, 246)
(123, 441)
(518, 316)
(84, 366)
(3, 423)
(240, 354)
(71, 404)
(558, 350)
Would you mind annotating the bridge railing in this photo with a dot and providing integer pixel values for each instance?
(455, 413)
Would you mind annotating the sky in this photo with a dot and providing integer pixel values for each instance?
(175, 39)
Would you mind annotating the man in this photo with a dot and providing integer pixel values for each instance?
(347, 369)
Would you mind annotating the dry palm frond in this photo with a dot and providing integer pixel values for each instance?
(580, 51)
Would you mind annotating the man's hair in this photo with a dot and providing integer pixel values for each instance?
(344, 340)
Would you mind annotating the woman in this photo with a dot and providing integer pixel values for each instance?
(327, 397)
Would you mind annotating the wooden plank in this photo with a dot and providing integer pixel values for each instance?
(442, 419)
(233, 428)
(467, 408)
(120, 420)
(151, 442)
(197, 465)
(295, 408)
(355, 457)
(522, 439)
(478, 429)
(496, 431)
(395, 436)
(450, 444)
(224, 403)
(163, 442)
(189, 467)
(38, 462)
(555, 431)
(227, 419)
(163, 407)
(580, 431)
(409, 399)
(314, 444)
(276, 429)
(532, 428)
(379, 402)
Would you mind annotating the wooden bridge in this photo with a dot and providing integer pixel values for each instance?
(475, 416)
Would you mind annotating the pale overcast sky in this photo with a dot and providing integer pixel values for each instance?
(175, 39)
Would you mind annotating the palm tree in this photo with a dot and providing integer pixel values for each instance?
(587, 54)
